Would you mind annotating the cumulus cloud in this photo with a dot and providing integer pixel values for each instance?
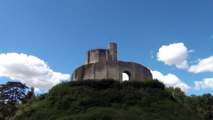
(174, 54)
(30, 70)
(170, 80)
(204, 65)
(204, 84)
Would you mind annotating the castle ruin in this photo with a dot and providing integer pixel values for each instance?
(103, 64)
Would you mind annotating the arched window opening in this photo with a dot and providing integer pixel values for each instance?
(125, 76)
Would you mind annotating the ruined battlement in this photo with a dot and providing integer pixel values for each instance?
(103, 64)
(102, 55)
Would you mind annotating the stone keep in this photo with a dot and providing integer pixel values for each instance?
(103, 64)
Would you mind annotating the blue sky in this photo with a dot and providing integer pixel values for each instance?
(54, 35)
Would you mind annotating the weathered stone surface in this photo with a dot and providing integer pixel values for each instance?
(112, 70)
(102, 55)
(103, 64)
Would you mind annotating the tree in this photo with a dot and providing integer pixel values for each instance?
(11, 95)
(206, 102)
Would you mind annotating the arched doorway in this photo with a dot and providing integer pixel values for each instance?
(126, 76)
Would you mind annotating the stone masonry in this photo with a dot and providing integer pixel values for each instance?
(103, 64)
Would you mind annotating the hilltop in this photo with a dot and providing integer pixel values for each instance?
(109, 100)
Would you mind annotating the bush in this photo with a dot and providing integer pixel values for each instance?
(108, 100)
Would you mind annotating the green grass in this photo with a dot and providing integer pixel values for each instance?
(107, 100)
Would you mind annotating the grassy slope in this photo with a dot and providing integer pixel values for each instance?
(107, 100)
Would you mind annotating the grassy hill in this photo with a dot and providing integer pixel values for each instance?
(109, 100)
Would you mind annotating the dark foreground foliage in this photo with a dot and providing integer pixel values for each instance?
(11, 95)
(110, 100)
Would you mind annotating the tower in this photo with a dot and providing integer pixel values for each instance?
(113, 51)
(103, 64)
(102, 55)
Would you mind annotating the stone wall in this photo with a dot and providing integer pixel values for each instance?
(111, 70)
(102, 55)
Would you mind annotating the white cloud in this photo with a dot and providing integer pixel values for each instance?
(204, 84)
(125, 77)
(174, 54)
(170, 80)
(29, 70)
(191, 51)
(152, 54)
(204, 65)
